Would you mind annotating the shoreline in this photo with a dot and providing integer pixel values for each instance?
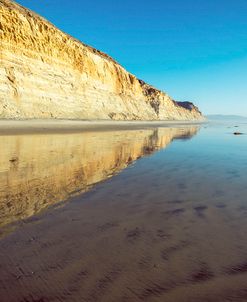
(32, 126)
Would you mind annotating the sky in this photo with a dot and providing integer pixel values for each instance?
(195, 50)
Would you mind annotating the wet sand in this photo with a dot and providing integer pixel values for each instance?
(171, 227)
(38, 170)
(100, 248)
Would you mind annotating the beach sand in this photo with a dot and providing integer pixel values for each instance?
(8, 127)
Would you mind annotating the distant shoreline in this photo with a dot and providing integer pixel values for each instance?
(32, 126)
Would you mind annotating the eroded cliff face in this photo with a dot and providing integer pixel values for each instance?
(45, 73)
(40, 170)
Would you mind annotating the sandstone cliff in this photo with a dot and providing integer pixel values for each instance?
(45, 73)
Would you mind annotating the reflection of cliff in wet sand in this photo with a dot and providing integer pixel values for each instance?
(40, 170)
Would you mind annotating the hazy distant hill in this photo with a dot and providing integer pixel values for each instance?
(221, 117)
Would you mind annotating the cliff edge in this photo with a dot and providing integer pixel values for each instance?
(45, 73)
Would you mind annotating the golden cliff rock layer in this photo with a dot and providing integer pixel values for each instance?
(45, 73)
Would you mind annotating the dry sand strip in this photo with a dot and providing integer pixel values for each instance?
(12, 127)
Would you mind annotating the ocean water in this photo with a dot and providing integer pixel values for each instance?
(154, 214)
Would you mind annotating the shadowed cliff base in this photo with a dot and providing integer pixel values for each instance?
(45, 73)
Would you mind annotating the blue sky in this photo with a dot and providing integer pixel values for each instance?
(194, 50)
